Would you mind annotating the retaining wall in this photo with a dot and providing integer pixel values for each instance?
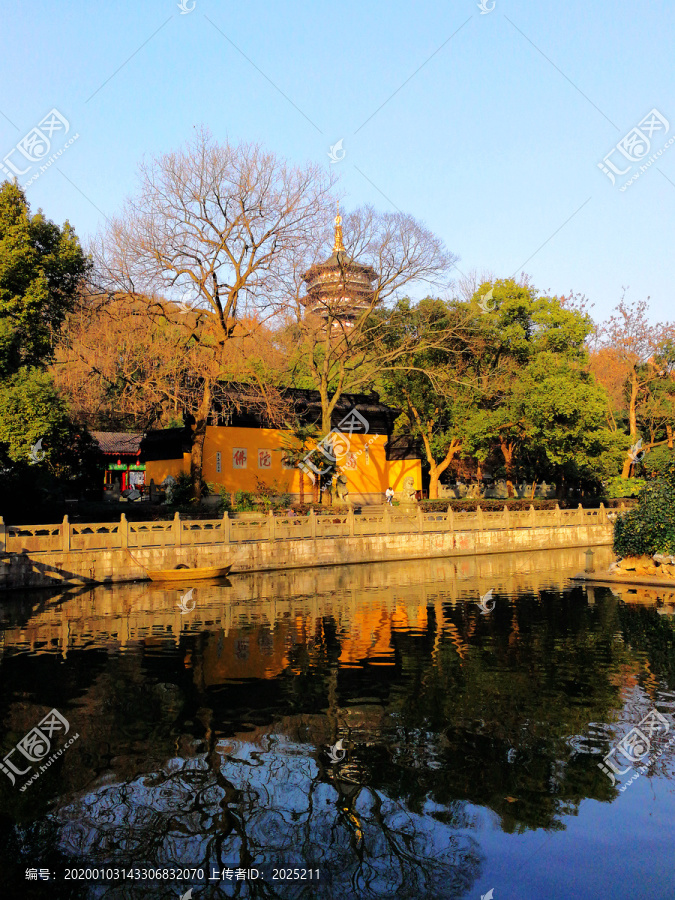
(35, 569)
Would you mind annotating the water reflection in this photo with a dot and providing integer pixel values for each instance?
(204, 735)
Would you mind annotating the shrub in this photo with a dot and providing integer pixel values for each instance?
(225, 501)
(659, 463)
(650, 527)
(244, 501)
(303, 509)
(180, 493)
(618, 487)
(491, 505)
(270, 496)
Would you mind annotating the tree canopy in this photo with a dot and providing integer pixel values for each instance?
(510, 375)
(42, 267)
(203, 279)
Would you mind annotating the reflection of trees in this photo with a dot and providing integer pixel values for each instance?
(515, 722)
(220, 802)
(492, 711)
(264, 806)
(651, 634)
(495, 726)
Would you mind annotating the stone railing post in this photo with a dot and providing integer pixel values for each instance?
(312, 524)
(3, 535)
(507, 519)
(350, 521)
(602, 514)
(225, 528)
(124, 532)
(451, 519)
(558, 515)
(580, 514)
(271, 530)
(387, 518)
(65, 535)
(177, 531)
(533, 517)
(622, 507)
(420, 520)
(479, 513)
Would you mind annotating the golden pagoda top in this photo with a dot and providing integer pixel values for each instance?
(338, 245)
(338, 288)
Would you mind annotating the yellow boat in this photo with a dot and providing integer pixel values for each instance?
(185, 573)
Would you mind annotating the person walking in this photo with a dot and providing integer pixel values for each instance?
(389, 495)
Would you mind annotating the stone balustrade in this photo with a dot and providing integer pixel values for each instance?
(69, 537)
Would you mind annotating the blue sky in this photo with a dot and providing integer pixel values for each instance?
(487, 127)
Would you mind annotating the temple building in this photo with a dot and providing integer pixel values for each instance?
(244, 448)
(339, 289)
(122, 455)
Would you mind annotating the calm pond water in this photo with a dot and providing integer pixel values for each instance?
(202, 736)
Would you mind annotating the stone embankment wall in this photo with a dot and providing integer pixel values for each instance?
(51, 556)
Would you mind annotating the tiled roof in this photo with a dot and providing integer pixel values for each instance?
(239, 405)
(118, 442)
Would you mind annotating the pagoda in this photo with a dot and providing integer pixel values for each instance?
(339, 289)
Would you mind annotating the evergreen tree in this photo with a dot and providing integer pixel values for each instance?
(41, 268)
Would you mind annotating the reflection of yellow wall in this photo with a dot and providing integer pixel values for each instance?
(362, 460)
(258, 652)
(261, 651)
(369, 636)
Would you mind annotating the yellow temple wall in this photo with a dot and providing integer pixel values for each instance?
(249, 454)
(158, 469)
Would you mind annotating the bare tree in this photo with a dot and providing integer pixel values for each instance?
(219, 228)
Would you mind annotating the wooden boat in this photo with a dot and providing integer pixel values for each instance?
(185, 573)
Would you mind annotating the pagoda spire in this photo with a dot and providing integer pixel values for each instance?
(338, 245)
(339, 289)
